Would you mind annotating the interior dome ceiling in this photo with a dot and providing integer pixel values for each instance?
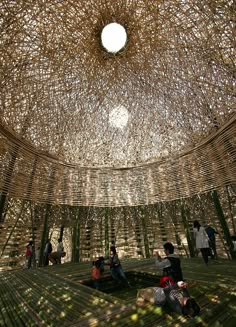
(59, 86)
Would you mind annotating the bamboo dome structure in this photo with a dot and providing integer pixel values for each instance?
(124, 145)
(65, 98)
(83, 126)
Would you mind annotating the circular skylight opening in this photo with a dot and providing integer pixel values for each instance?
(118, 117)
(113, 37)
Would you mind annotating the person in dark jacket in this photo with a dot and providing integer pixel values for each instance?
(211, 232)
(170, 265)
(116, 269)
(47, 252)
(179, 300)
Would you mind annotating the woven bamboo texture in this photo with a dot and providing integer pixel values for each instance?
(42, 297)
(174, 80)
(41, 178)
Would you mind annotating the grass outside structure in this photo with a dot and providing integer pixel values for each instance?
(58, 296)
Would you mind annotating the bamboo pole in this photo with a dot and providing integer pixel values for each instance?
(185, 215)
(45, 231)
(7, 180)
(230, 209)
(106, 227)
(76, 236)
(145, 232)
(225, 228)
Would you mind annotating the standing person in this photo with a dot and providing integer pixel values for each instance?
(37, 256)
(202, 240)
(233, 238)
(211, 232)
(47, 252)
(29, 254)
(96, 273)
(60, 249)
(170, 265)
(117, 272)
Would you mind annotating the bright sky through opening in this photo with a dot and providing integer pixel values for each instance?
(113, 37)
(119, 117)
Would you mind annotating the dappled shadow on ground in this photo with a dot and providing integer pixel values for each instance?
(56, 296)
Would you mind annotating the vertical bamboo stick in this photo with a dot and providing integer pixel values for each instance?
(225, 228)
(76, 237)
(185, 214)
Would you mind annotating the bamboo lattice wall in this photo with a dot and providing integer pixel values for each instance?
(41, 178)
(64, 98)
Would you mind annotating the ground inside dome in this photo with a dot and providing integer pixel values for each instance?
(136, 280)
(61, 295)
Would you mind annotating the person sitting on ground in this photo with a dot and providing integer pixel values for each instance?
(55, 257)
(170, 265)
(116, 270)
(175, 297)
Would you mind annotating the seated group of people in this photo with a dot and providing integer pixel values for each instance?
(172, 291)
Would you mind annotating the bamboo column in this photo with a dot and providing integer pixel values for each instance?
(45, 231)
(106, 226)
(223, 222)
(145, 233)
(185, 214)
(76, 237)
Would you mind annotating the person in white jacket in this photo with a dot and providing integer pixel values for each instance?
(60, 250)
(202, 240)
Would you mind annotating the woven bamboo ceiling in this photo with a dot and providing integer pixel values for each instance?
(90, 127)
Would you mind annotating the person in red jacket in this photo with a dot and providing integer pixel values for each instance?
(96, 274)
(29, 254)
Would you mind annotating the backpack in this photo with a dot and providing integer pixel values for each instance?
(154, 295)
(210, 232)
(95, 273)
(174, 270)
(160, 296)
